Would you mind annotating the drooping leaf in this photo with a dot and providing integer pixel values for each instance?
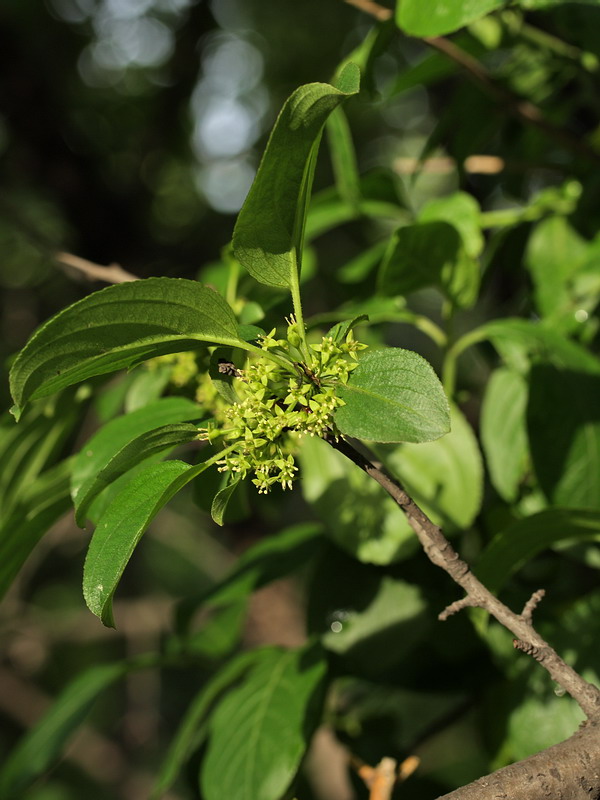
(117, 327)
(42, 745)
(104, 445)
(193, 729)
(445, 476)
(260, 731)
(438, 17)
(150, 443)
(221, 499)
(269, 231)
(504, 432)
(393, 396)
(123, 524)
(359, 516)
(43, 502)
(341, 329)
(510, 549)
(417, 256)
(563, 421)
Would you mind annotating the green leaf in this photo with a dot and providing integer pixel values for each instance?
(503, 431)
(555, 251)
(41, 746)
(417, 256)
(260, 731)
(192, 730)
(160, 440)
(462, 211)
(360, 517)
(221, 499)
(114, 437)
(269, 231)
(43, 502)
(117, 327)
(438, 17)
(223, 382)
(341, 329)
(397, 612)
(445, 477)
(393, 396)
(343, 157)
(563, 421)
(123, 524)
(513, 547)
(266, 561)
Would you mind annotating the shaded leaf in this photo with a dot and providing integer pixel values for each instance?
(42, 504)
(393, 396)
(563, 422)
(360, 517)
(341, 329)
(417, 256)
(343, 157)
(192, 729)
(41, 746)
(445, 477)
(504, 432)
(269, 231)
(117, 327)
(510, 549)
(260, 731)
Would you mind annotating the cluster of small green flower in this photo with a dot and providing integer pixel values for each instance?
(279, 405)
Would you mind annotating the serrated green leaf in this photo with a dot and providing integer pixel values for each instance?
(98, 452)
(563, 423)
(117, 327)
(438, 17)
(159, 440)
(445, 477)
(42, 503)
(503, 430)
(393, 396)
(269, 231)
(510, 549)
(41, 746)
(122, 525)
(359, 516)
(192, 729)
(260, 731)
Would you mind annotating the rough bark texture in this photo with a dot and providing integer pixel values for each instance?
(568, 771)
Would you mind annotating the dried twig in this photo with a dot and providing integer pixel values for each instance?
(441, 553)
(380, 13)
(113, 273)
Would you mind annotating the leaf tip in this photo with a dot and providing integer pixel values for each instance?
(16, 411)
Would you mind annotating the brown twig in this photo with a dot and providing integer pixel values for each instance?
(113, 273)
(380, 13)
(511, 102)
(441, 553)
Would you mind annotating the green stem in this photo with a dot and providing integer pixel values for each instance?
(452, 354)
(297, 302)
(422, 323)
(232, 281)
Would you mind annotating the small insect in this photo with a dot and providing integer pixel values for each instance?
(228, 368)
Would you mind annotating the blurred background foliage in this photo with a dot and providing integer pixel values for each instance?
(130, 131)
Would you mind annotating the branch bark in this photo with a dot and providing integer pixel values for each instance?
(568, 771)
